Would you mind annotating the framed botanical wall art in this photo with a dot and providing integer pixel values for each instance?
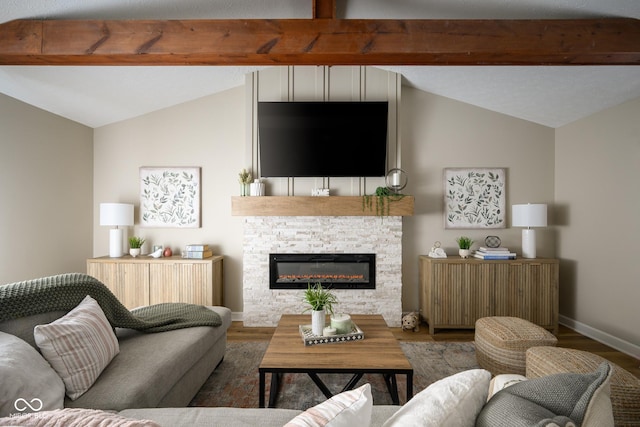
(474, 198)
(170, 197)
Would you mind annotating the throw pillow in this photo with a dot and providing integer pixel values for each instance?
(28, 381)
(75, 417)
(566, 399)
(79, 346)
(502, 381)
(452, 401)
(347, 409)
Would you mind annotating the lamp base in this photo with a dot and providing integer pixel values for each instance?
(115, 243)
(528, 243)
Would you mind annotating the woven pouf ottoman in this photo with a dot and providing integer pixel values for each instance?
(625, 387)
(502, 342)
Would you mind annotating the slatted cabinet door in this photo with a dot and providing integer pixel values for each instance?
(129, 282)
(145, 280)
(455, 292)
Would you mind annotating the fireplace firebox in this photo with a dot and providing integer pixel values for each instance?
(338, 271)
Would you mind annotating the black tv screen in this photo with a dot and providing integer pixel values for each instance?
(322, 139)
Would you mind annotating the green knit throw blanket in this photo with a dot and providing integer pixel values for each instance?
(65, 291)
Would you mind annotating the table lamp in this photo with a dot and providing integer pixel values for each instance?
(117, 215)
(529, 215)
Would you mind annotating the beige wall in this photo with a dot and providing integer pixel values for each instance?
(597, 177)
(50, 194)
(438, 133)
(208, 133)
(46, 176)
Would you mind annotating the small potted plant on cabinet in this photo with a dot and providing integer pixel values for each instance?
(135, 245)
(464, 243)
(320, 301)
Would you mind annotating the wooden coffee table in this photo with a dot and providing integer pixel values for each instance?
(379, 352)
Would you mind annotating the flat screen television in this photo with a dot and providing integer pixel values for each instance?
(322, 139)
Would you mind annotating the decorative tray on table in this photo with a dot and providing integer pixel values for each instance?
(309, 338)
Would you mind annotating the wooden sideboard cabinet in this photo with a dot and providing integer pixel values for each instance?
(145, 280)
(455, 292)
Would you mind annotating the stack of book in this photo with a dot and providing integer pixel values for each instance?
(197, 251)
(494, 253)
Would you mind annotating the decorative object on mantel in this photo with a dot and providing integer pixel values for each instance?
(320, 301)
(135, 245)
(309, 338)
(170, 197)
(244, 178)
(474, 198)
(384, 197)
(320, 192)
(167, 252)
(529, 215)
(464, 243)
(117, 215)
(396, 180)
(256, 188)
(436, 251)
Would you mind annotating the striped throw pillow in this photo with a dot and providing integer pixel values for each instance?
(348, 409)
(78, 346)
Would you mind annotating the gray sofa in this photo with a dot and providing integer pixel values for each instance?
(162, 369)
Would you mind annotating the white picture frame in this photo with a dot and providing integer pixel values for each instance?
(474, 198)
(170, 197)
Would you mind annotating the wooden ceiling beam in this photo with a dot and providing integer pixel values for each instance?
(324, 9)
(321, 42)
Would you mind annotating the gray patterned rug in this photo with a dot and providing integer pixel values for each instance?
(235, 382)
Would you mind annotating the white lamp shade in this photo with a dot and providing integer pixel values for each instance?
(529, 215)
(118, 214)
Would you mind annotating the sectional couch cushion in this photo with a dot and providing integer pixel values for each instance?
(148, 363)
(79, 345)
(29, 383)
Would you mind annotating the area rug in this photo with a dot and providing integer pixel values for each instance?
(235, 382)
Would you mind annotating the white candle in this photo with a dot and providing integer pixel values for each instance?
(395, 179)
(328, 331)
(342, 323)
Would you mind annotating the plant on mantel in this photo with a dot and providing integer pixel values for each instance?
(384, 198)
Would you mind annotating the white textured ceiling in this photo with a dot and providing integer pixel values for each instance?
(96, 96)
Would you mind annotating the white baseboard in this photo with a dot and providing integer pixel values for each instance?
(626, 347)
(237, 316)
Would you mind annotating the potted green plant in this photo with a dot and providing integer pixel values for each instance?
(135, 245)
(320, 301)
(464, 243)
(383, 197)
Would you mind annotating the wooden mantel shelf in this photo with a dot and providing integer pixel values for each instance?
(315, 206)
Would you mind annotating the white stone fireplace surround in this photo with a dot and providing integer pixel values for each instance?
(321, 234)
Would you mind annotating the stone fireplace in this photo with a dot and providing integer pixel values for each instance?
(265, 235)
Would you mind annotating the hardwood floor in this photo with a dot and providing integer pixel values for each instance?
(566, 338)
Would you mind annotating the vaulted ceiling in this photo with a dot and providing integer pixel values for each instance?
(97, 95)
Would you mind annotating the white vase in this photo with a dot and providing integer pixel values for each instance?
(464, 253)
(318, 318)
(134, 252)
